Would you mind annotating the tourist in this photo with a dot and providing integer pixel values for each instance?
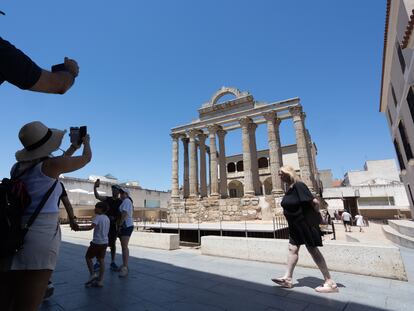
(97, 249)
(72, 223)
(24, 284)
(125, 228)
(359, 222)
(346, 218)
(303, 221)
(114, 216)
(18, 69)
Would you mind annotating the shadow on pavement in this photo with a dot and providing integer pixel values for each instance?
(154, 285)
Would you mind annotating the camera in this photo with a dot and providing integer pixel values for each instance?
(59, 67)
(77, 134)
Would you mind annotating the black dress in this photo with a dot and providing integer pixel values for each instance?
(302, 219)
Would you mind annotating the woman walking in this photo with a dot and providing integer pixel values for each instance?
(126, 226)
(25, 276)
(303, 221)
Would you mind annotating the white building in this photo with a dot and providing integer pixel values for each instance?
(375, 192)
(397, 93)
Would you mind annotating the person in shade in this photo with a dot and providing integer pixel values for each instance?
(114, 215)
(125, 228)
(24, 278)
(303, 221)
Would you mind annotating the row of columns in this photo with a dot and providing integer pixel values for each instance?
(196, 139)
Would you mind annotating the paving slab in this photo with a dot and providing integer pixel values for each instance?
(186, 280)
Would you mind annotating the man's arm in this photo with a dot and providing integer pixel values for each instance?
(95, 192)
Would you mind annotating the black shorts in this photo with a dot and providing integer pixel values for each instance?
(96, 250)
(126, 231)
(347, 222)
(112, 235)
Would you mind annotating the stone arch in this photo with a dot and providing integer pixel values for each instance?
(236, 189)
(263, 162)
(225, 91)
(268, 185)
(239, 166)
(231, 167)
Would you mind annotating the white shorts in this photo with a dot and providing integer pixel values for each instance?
(41, 245)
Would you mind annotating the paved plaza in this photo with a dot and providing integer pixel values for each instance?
(186, 280)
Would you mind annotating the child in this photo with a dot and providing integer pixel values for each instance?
(100, 226)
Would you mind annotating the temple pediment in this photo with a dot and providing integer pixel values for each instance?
(242, 101)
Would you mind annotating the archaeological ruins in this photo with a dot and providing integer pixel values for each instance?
(214, 186)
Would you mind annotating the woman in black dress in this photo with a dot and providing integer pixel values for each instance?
(303, 221)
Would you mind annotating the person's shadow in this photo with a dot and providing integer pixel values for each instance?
(310, 281)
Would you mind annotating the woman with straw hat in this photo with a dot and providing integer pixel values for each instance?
(299, 209)
(24, 283)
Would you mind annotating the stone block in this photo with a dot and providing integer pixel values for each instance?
(165, 241)
(358, 258)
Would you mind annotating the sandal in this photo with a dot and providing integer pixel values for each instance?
(327, 288)
(283, 282)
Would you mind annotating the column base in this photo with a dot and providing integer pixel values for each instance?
(278, 192)
(214, 195)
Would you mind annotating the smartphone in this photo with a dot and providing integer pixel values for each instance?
(77, 134)
(58, 67)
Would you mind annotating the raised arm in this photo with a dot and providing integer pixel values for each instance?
(53, 167)
(57, 82)
(95, 191)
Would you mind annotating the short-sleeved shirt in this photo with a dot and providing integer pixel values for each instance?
(127, 207)
(346, 216)
(100, 232)
(113, 211)
(16, 67)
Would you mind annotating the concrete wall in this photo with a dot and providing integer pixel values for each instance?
(358, 258)
(378, 169)
(326, 178)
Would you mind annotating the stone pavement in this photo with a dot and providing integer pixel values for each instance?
(186, 280)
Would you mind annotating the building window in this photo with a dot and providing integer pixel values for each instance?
(406, 144)
(389, 116)
(393, 96)
(411, 194)
(400, 159)
(400, 56)
(410, 101)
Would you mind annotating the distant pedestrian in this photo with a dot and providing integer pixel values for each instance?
(336, 215)
(125, 228)
(360, 222)
(100, 225)
(303, 221)
(346, 218)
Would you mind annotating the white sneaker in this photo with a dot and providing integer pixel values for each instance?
(123, 272)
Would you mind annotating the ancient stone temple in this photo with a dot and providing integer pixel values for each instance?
(215, 186)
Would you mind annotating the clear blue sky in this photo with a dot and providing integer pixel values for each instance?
(147, 66)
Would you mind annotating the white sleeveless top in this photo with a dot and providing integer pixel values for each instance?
(37, 185)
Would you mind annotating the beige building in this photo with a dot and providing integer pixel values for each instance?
(215, 185)
(397, 86)
(375, 192)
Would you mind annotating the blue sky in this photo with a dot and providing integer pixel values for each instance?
(147, 66)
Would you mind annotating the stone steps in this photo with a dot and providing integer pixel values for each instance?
(405, 227)
(398, 237)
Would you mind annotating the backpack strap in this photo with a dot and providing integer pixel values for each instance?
(39, 208)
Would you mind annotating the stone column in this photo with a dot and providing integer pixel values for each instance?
(175, 192)
(186, 181)
(222, 159)
(203, 183)
(304, 161)
(197, 167)
(212, 129)
(275, 151)
(253, 154)
(209, 170)
(248, 178)
(193, 165)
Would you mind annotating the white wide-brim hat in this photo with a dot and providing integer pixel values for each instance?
(38, 140)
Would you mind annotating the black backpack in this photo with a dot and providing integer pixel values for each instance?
(14, 199)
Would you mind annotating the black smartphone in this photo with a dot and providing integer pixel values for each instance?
(77, 134)
(58, 67)
(83, 130)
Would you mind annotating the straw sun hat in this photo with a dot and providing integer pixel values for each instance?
(38, 140)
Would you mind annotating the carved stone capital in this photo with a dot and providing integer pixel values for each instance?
(296, 112)
(278, 121)
(244, 122)
(202, 138)
(252, 127)
(184, 139)
(193, 133)
(269, 116)
(176, 136)
(212, 129)
(221, 133)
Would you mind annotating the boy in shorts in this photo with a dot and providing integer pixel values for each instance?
(100, 225)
